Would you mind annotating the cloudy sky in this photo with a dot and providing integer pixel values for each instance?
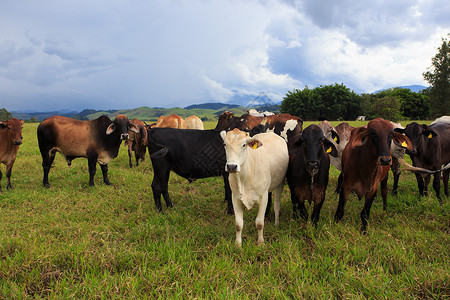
(109, 54)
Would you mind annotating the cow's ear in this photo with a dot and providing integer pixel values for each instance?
(402, 141)
(295, 144)
(330, 148)
(133, 128)
(360, 138)
(335, 136)
(429, 133)
(254, 143)
(223, 135)
(110, 129)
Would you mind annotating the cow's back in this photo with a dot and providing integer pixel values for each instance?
(194, 122)
(443, 131)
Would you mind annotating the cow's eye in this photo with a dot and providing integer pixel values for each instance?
(243, 146)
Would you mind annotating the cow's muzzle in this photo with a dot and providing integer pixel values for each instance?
(231, 168)
(384, 160)
(17, 142)
(124, 136)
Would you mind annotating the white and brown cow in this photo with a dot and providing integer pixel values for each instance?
(97, 140)
(10, 140)
(257, 165)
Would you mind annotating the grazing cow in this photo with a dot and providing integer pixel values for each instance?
(430, 150)
(284, 125)
(97, 140)
(194, 122)
(10, 140)
(192, 154)
(171, 121)
(137, 142)
(257, 165)
(308, 170)
(365, 163)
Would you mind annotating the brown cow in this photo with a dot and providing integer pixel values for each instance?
(137, 142)
(10, 140)
(97, 140)
(194, 122)
(365, 163)
(172, 121)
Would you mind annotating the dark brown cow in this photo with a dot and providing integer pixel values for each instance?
(365, 163)
(137, 142)
(97, 140)
(284, 125)
(430, 150)
(10, 140)
(308, 170)
(171, 121)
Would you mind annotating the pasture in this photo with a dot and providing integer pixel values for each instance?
(76, 241)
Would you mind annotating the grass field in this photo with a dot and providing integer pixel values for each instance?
(76, 241)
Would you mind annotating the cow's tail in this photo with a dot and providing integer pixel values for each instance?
(160, 153)
(411, 168)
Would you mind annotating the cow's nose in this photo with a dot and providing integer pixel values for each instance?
(17, 142)
(385, 160)
(313, 164)
(231, 168)
(124, 136)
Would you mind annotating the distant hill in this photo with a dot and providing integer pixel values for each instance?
(214, 106)
(414, 88)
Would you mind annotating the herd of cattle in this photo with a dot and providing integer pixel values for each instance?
(254, 153)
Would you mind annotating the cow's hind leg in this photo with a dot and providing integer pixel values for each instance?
(277, 203)
(47, 161)
(160, 186)
(130, 154)
(226, 183)
(420, 184)
(105, 174)
(260, 218)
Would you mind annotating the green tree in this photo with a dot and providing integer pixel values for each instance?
(332, 102)
(438, 76)
(5, 115)
(387, 108)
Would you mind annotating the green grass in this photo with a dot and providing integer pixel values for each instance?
(76, 241)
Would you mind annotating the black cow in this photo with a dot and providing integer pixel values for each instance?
(97, 140)
(190, 153)
(431, 149)
(308, 170)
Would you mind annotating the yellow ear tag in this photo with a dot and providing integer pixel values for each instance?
(329, 150)
(335, 138)
(255, 145)
(404, 144)
(430, 136)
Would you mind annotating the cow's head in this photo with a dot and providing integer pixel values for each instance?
(14, 130)
(121, 125)
(237, 145)
(419, 135)
(312, 145)
(378, 135)
(226, 121)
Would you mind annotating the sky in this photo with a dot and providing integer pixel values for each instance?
(124, 54)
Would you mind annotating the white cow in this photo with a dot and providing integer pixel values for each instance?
(443, 119)
(257, 166)
(194, 122)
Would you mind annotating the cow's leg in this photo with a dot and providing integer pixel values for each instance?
(445, 176)
(295, 200)
(318, 202)
(384, 191)
(426, 181)
(437, 186)
(239, 220)
(420, 184)
(277, 203)
(47, 160)
(160, 186)
(130, 154)
(366, 210)
(92, 161)
(341, 205)
(339, 184)
(1, 175)
(228, 194)
(260, 218)
(105, 174)
(8, 175)
(269, 204)
(395, 167)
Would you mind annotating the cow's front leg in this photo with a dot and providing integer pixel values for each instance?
(92, 161)
(8, 175)
(239, 220)
(105, 174)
